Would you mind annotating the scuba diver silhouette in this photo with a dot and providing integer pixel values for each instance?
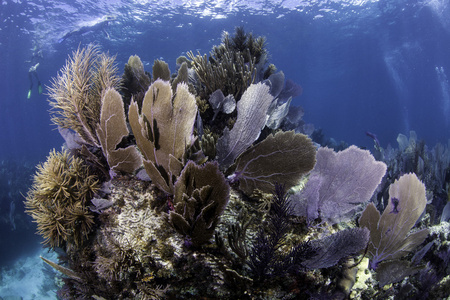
(37, 55)
(93, 26)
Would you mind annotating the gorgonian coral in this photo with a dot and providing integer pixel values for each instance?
(389, 233)
(58, 199)
(200, 197)
(75, 94)
(163, 130)
(241, 57)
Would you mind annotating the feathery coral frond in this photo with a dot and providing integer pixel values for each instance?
(75, 93)
(58, 200)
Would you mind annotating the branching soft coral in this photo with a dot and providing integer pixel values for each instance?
(232, 66)
(75, 94)
(58, 199)
(265, 258)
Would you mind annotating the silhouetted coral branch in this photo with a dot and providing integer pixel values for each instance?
(264, 259)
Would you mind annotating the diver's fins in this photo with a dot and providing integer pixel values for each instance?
(29, 94)
(40, 88)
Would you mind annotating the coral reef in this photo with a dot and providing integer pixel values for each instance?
(431, 165)
(201, 195)
(284, 157)
(135, 82)
(235, 57)
(265, 259)
(231, 68)
(252, 110)
(161, 70)
(338, 185)
(224, 204)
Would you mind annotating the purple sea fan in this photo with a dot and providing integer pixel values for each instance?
(339, 183)
(251, 119)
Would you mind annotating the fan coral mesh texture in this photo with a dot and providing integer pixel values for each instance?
(252, 110)
(334, 247)
(283, 157)
(339, 183)
(389, 237)
(111, 131)
(164, 130)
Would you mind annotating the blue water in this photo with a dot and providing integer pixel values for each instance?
(378, 66)
(363, 65)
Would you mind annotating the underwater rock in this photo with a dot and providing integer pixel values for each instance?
(136, 251)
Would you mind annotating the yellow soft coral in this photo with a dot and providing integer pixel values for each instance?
(58, 200)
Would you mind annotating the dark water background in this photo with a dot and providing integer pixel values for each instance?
(378, 66)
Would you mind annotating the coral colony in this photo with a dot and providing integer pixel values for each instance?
(201, 185)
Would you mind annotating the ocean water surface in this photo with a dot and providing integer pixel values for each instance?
(363, 65)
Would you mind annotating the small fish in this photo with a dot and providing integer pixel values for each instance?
(374, 137)
(12, 209)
